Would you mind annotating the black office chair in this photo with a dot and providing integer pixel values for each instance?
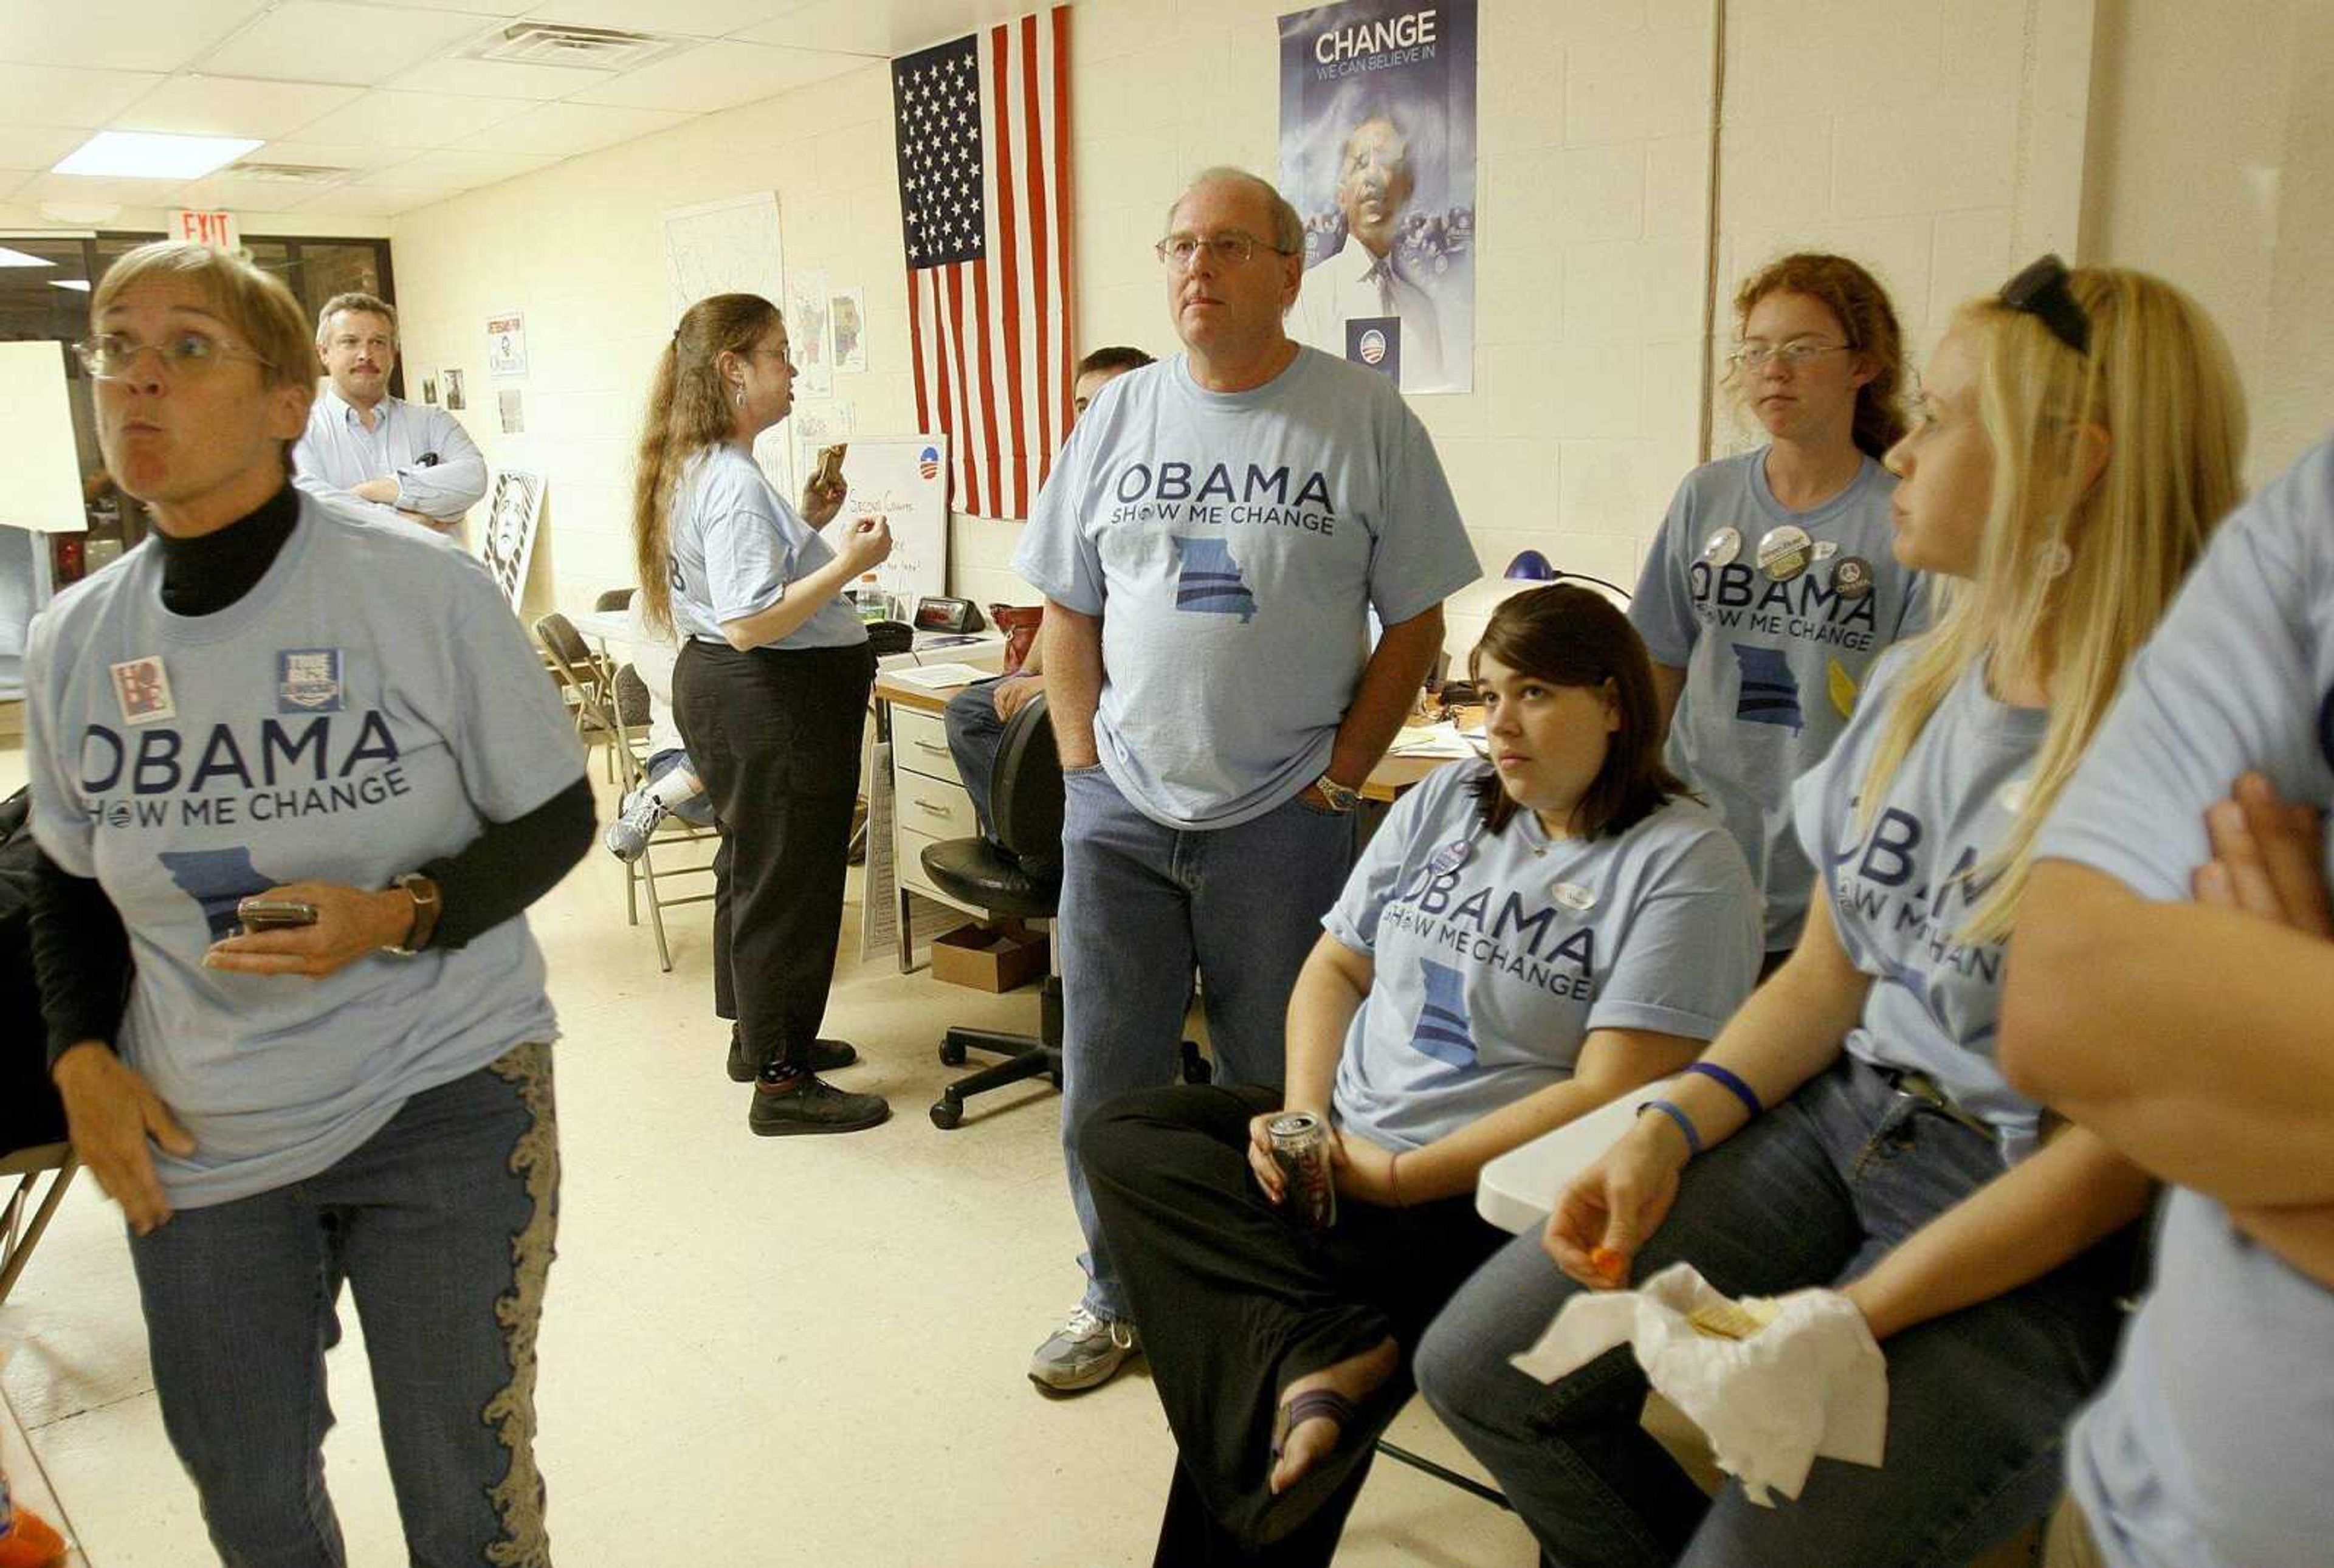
(1020, 877)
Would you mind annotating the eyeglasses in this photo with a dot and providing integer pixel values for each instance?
(191, 354)
(1231, 248)
(2041, 292)
(1791, 356)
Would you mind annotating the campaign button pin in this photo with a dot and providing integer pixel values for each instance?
(1851, 577)
(1722, 546)
(1448, 859)
(1574, 897)
(143, 688)
(1783, 553)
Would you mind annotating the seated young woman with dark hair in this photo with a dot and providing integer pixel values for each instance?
(1524, 940)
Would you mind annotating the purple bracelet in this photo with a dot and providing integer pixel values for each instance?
(1742, 1091)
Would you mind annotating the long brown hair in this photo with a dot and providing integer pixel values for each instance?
(688, 410)
(1570, 636)
(1866, 318)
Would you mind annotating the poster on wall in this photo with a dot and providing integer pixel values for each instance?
(512, 514)
(513, 411)
(805, 308)
(731, 247)
(506, 345)
(1377, 153)
(846, 323)
(453, 380)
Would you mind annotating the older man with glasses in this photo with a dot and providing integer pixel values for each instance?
(1210, 547)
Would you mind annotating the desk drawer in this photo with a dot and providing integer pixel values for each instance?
(919, 744)
(908, 867)
(938, 809)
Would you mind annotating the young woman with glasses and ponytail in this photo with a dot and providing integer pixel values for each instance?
(1771, 589)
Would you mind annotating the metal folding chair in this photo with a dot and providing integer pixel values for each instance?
(19, 1236)
(628, 722)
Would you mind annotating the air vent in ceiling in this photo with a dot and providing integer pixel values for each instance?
(562, 43)
(285, 173)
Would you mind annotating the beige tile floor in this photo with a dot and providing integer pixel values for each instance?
(755, 1352)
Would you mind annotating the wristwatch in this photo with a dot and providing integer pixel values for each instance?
(428, 905)
(1341, 797)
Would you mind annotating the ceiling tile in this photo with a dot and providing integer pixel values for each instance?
(564, 129)
(455, 169)
(351, 155)
(482, 8)
(53, 95)
(319, 41)
(119, 35)
(696, 18)
(81, 187)
(499, 79)
(233, 106)
(35, 149)
(370, 201)
(248, 194)
(898, 27)
(412, 119)
(719, 76)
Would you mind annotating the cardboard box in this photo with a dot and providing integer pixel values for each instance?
(988, 957)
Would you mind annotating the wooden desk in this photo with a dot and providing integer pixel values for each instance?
(930, 802)
(30, 1484)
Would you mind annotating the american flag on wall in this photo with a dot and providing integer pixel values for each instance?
(983, 134)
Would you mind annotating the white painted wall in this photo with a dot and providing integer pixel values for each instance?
(2212, 163)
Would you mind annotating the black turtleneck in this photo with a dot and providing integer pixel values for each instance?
(80, 949)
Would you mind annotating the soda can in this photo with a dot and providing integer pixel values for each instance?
(1300, 1146)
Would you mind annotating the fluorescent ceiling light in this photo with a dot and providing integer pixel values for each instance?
(151, 155)
(77, 284)
(16, 258)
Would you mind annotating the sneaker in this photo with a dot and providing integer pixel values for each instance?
(628, 836)
(1084, 1353)
(826, 1056)
(801, 1103)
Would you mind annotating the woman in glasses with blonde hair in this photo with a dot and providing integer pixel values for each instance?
(1851, 1134)
(294, 779)
(1770, 588)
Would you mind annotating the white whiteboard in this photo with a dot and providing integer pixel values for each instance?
(732, 247)
(36, 441)
(905, 480)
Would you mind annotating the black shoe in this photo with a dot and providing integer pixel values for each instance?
(826, 1056)
(799, 1103)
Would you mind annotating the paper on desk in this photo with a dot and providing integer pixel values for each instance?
(1812, 1383)
(1431, 740)
(933, 676)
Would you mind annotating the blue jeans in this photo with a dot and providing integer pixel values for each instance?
(1814, 1192)
(1140, 905)
(974, 732)
(442, 1224)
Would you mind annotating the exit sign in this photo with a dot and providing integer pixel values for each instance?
(216, 229)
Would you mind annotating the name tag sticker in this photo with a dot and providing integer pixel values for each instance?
(1574, 897)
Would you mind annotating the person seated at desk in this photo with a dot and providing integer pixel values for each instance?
(672, 783)
(1524, 940)
(977, 716)
(369, 455)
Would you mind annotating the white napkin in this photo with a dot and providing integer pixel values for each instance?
(1812, 1382)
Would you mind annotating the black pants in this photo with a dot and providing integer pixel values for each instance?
(775, 735)
(1234, 1303)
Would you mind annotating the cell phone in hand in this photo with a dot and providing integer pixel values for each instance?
(830, 465)
(275, 914)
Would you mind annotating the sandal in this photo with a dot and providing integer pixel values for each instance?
(1310, 1405)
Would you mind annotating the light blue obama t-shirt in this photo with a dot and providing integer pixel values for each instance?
(1901, 890)
(1234, 543)
(1773, 667)
(369, 707)
(2208, 1448)
(734, 546)
(1496, 955)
